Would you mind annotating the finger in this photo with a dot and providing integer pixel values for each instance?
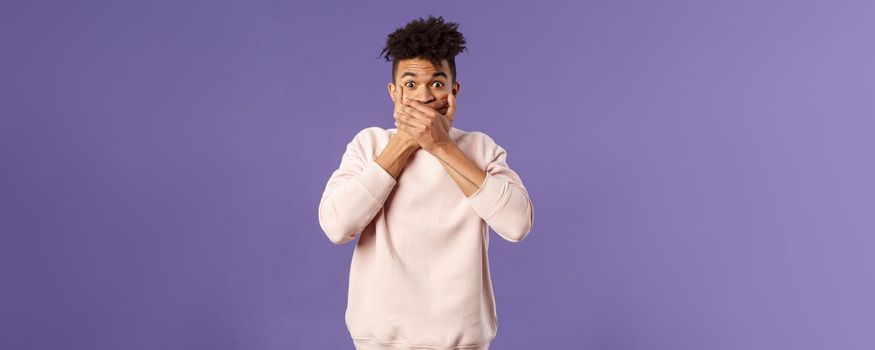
(407, 126)
(402, 93)
(451, 110)
(404, 99)
(399, 96)
(405, 117)
(415, 113)
(422, 107)
(401, 112)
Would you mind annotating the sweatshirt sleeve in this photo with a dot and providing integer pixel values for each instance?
(502, 200)
(354, 194)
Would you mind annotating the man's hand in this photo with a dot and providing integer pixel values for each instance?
(403, 134)
(402, 145)
(429, 127)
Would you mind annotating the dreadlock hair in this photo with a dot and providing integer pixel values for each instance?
(430, 38)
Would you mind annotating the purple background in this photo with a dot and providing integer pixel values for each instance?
(701, 172)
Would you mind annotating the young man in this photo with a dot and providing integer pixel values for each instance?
(419, 198)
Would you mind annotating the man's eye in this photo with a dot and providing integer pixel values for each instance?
(408, 84)
(441, 84)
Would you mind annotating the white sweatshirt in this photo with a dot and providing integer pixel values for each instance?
(419, 276)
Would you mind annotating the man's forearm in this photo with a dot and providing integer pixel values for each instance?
(462, 169)
(396, 155)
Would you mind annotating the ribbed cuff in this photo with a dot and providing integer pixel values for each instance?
(377, 181)
(487, 199)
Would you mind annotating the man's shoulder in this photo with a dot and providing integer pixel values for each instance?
(476, 138)
(371, 132)
(371, 136)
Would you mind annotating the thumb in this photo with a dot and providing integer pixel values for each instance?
(451, 110)
(446, 122)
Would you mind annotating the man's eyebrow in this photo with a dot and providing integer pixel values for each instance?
(436, 74)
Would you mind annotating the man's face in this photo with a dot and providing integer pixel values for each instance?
(422, 81)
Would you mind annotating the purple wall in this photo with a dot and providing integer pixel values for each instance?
(701, 173)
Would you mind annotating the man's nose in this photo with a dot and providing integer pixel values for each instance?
(424, 96)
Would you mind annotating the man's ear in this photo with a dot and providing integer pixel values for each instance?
(391, 88)
(457, 86)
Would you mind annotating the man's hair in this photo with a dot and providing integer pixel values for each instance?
(430, 39)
